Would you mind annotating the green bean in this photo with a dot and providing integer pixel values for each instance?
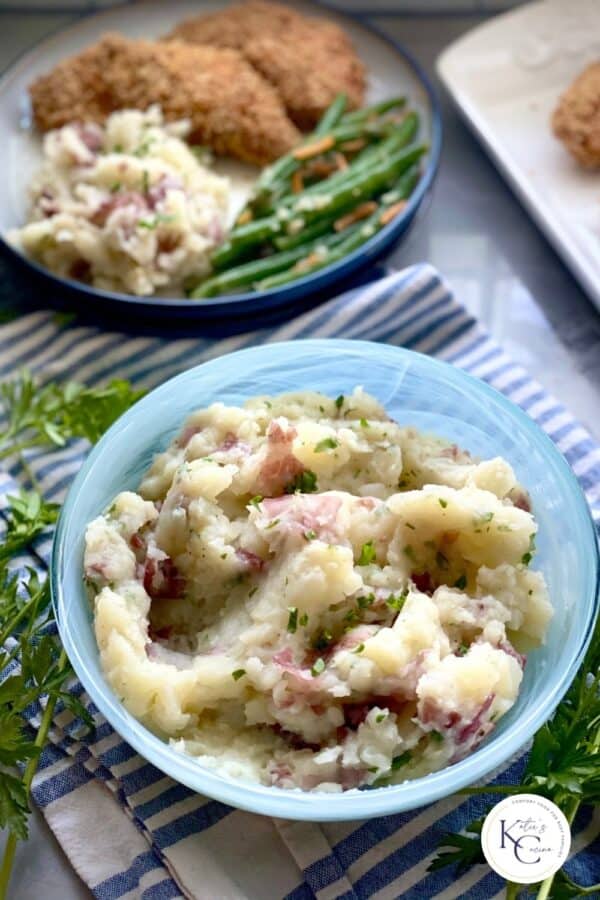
(251, 272)
(400, 137)
(286, 165)
(376, 110)
(244, 237)
(331, 200)
(363, 186)
(274, 183)
(331, 116)
(351, 242)
(318, 228)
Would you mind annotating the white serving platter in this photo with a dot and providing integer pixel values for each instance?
(506, 77)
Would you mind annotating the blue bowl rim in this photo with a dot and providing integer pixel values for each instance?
(310, 284)
(295, 804)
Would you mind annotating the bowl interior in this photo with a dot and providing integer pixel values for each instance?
(416, 390)
(390, 72)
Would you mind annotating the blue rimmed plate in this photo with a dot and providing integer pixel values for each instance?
(391, 71)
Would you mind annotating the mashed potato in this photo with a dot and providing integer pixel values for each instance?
(126, 206)
(305, 594)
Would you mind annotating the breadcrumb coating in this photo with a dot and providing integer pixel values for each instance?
(576, 119)
(231, 107)
(308, 60)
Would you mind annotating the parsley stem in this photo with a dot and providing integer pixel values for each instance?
(30, 770)
(12, 449)
(24, 611)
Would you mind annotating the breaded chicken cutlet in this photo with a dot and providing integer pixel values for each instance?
(308, 60)
(232, 108)
(576, 119)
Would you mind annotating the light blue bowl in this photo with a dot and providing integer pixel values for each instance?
(418, 391)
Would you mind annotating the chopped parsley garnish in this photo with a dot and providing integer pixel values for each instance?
(318, 667)
(303, 620)
(292, 624)
(310, 535)
(462, 649)
(305, 483)
(115, 186)
(363, 423)
(461, 583)
(118, 148)
(351, 618)
(239, 673)
(327, 443)
(252, 592)
(443, 503)
(367, 554)
(256, 500)
(359, 649)
(399, 761)
(486, 517)
(436, 736)
(408, 551)
(272, 524)
(381, 717)
(322, 640)
(365, 600)
(397, 601)
(410, 525)
(527, 557)
(145, 181)
(151, 224)
(339, 401)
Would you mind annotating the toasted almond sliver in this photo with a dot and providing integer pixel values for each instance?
(321, 168)
(341, 162)
(244, 217)
(353, 146)
(392, 212)
(315, 149)
(307, 262)
(297, 182)
(361, 212)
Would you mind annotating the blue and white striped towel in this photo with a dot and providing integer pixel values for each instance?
(131, 832)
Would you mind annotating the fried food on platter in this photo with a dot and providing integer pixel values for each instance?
(576, 119)
(308, 60)
(231, 107)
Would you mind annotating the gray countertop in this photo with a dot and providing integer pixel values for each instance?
(495, 259)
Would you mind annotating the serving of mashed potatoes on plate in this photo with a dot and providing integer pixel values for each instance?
(303, 593)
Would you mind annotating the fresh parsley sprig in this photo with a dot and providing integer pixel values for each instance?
(53, 414)
(33, 665)
(27, 516)
(563, 765)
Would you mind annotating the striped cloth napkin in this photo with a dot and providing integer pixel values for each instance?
(129, 831)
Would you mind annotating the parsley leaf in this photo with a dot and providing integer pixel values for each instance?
(367, 554)
(53, 414)
(305, 483)
(327, 443)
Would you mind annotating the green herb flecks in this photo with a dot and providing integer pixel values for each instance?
(368, 554)
(318, 667)
(327, 443)
(304, 483)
